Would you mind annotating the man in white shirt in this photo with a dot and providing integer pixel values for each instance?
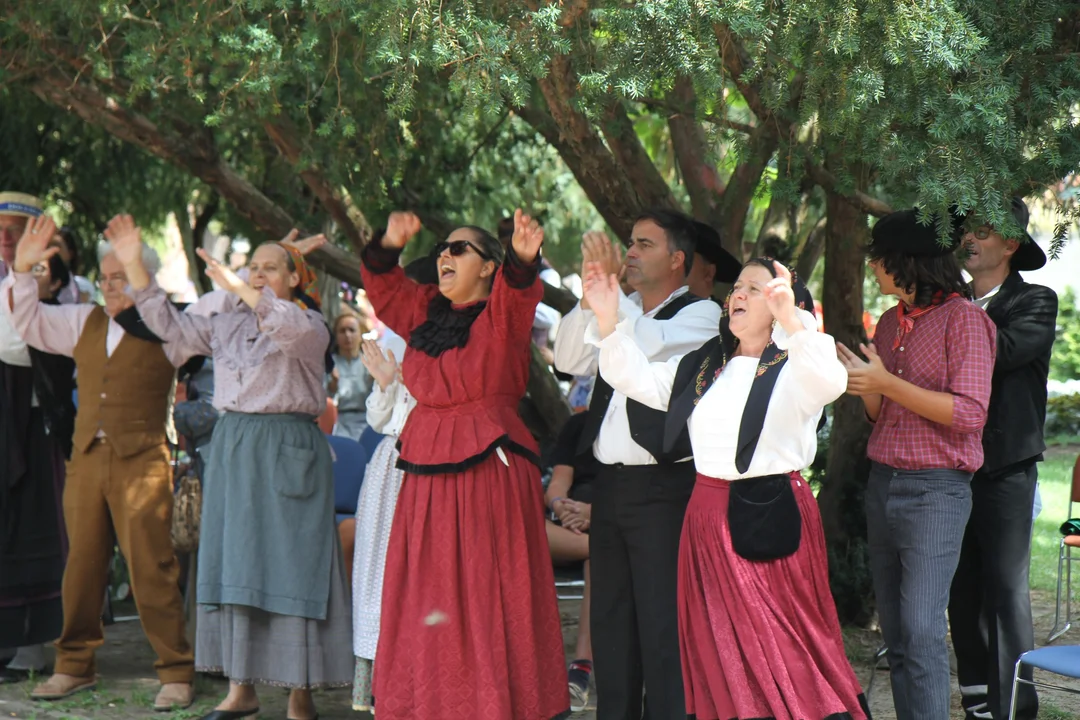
(640, 493)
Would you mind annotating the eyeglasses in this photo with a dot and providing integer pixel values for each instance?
(117, 283)
(982, 232)
(458, 248)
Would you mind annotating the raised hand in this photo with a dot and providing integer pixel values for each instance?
(383, 368)
(126, 240)
(307, 245)
(602, 292)
(779, 296)
(528, 236)
(33, 247)
(600, 249)
(400, 228)
(222, 275)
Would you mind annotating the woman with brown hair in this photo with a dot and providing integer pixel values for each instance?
(469, 628)
(349, 383)
(273, 602)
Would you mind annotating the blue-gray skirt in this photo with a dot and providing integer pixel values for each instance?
(272, 592)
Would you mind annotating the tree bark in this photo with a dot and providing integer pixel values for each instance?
(604, 178)
(196, 266)
(688, 140)
(807, 257)
(285, 139)
(842, 492)
(651, 189)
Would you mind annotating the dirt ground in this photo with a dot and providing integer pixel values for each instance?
(128, 685)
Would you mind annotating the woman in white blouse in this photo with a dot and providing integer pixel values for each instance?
(388, 406)
(758, 630)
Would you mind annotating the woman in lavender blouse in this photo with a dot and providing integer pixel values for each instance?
(273, 604)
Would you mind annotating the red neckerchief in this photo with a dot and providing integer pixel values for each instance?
(905, 318)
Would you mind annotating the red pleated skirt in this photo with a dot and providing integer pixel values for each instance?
(759, 639)
(470, 625)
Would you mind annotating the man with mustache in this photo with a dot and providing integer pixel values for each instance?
(641, 492)
(990, 602)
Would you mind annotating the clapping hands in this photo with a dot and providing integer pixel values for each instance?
(865, 377)
(602, 293)
(383, 368)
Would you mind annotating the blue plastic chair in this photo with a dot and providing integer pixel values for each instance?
(350, 462)
(370, 440)
(1061, 660)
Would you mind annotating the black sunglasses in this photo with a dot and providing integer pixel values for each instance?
(458, 248)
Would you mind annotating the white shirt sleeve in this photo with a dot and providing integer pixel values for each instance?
(572, 354)
(683, 333)
(13, 350)
(812, 360)
(627, 369)
(380, 405)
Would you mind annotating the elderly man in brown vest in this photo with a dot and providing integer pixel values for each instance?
(119, 480)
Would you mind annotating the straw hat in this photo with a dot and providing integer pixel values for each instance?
(19, 204)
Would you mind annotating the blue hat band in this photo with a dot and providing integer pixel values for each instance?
(9, 208)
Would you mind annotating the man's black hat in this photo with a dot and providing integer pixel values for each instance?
(1029, 256)
(709, 245)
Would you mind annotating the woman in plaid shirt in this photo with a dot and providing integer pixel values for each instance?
(926, 386)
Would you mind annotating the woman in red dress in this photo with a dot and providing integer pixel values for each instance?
(470, 626)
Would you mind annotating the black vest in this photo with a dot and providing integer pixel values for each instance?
(646, 424)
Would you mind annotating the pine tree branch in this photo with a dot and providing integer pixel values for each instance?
(284, 137)
(856, 198)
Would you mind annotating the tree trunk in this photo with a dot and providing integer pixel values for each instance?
(194, 240)
(842, 492)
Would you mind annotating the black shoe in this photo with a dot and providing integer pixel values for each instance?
(314, 718)
(229, 714)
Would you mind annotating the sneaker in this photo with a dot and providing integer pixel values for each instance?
(579, 697)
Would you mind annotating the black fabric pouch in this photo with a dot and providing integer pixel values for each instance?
(764, 518)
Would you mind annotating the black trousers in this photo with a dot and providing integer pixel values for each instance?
(637, 518)
(990, 603)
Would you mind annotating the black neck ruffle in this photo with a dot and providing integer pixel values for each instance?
(446, 327)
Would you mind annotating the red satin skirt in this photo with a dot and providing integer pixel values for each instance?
(470, 626)
(759, 639)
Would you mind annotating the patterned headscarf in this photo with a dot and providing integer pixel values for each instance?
(307, 292)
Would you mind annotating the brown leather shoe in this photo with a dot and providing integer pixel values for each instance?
(174, 696)
(61, 686)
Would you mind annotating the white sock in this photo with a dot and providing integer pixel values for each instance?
(30, 657)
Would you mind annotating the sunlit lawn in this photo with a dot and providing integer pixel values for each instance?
(1055, 476)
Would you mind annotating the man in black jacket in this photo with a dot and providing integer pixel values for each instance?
(990, 604)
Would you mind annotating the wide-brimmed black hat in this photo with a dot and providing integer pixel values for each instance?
(1029, 256)
(709, 245)
(902, 232)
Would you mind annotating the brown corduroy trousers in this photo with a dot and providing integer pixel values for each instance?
(129, 499)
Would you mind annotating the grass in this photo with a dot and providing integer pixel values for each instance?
(1055, 478)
